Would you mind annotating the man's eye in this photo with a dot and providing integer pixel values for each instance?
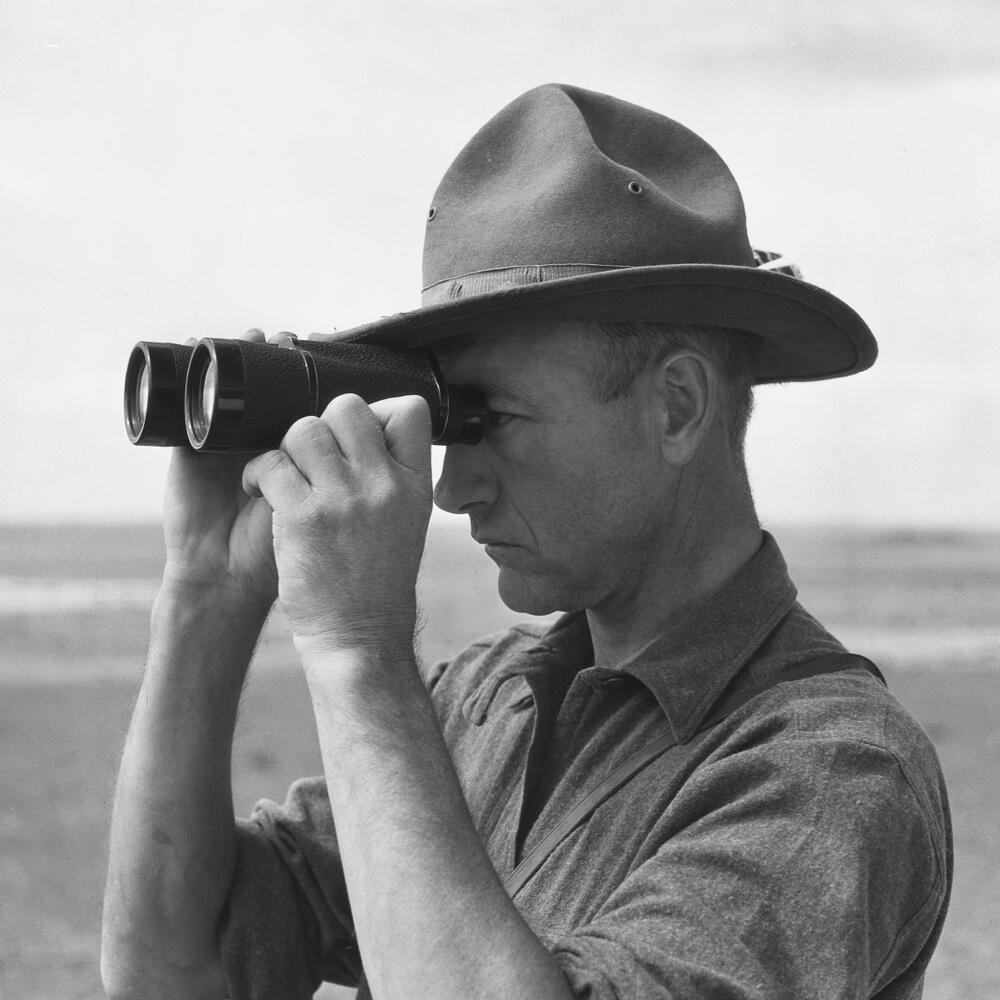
(496, 418)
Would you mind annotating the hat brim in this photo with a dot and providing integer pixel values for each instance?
(808, 333)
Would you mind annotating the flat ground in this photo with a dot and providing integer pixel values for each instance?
(927, 608)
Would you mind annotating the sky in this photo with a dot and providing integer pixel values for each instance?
(198, 168)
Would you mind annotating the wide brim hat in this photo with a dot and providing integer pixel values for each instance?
(572, 205)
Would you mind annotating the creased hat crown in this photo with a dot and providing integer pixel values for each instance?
(565, 176)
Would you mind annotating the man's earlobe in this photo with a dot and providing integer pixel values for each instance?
(688, 388)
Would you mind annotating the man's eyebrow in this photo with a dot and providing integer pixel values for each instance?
(495, 385)
(489, 383)
(500, 392)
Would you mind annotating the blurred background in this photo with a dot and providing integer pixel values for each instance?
(195, 169)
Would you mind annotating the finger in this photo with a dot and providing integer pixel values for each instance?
(406, 423)
(275, 477)
(356, 429)
(311, 444)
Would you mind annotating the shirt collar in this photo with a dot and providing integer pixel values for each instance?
(693, 661)
(686, 667)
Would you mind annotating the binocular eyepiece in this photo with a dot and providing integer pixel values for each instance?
(241, 395)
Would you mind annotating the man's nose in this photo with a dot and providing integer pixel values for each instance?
(466, 479)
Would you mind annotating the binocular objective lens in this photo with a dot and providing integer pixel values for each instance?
(202, 403)
(137, 396)
(142, 396)
(154, 393)
(209, 390)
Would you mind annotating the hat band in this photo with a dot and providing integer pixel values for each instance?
(497, 279)
(485, 282)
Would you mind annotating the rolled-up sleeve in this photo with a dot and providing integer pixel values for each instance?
(800, 868)
(287, 925)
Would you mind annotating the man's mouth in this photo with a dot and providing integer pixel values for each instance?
(494, 546)
(485, 537)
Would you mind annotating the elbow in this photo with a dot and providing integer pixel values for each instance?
(124, 979)
(118, 975)
(119, 981)
(116, 985)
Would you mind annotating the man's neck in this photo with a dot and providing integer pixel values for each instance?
(689, 570)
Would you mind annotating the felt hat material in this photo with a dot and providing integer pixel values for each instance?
(570, 204)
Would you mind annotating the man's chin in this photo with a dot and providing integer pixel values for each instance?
(525, 596)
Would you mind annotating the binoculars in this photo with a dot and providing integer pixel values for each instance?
(241, 395)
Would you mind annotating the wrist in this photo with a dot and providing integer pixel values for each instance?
(386, 634)
(359, 675)
(182, 593)
(203, 629)
(374, 653)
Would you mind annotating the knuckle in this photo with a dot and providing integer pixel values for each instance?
(274, 460)
(347, 408)
(386, 492)
(305, 430)
(414, 404)
(264, 464)
(346, 402)
(312, 516)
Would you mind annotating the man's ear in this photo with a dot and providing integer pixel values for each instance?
(687, 388)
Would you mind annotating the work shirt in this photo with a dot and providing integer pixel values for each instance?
(800, 848)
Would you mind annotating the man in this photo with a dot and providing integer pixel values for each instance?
(587, 268)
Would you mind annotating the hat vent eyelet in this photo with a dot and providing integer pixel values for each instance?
(431, 214)
(635, 187)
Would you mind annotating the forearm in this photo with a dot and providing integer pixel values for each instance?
(431, 915)
(172, 842)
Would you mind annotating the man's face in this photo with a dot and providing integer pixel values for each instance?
(568, 494)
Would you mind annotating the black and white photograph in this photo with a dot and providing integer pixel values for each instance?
(501, 500)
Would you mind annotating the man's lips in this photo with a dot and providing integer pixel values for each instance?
(492, 547)
(482, 537)
(494, 544)
(502, 553)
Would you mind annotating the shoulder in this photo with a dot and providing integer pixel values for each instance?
(847, 706)
(829, 796)
(842, 739)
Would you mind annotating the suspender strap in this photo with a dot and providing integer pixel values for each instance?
(632, 765)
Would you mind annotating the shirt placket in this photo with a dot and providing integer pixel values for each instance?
(546, 674)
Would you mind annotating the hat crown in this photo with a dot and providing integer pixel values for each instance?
(568, 176)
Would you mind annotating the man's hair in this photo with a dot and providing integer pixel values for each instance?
(626, 348)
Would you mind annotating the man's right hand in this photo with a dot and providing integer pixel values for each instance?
(216, 536)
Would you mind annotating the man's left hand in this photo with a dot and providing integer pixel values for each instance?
(351, 495)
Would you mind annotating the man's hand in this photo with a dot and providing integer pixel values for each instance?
(217, 536)
(351, 495)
